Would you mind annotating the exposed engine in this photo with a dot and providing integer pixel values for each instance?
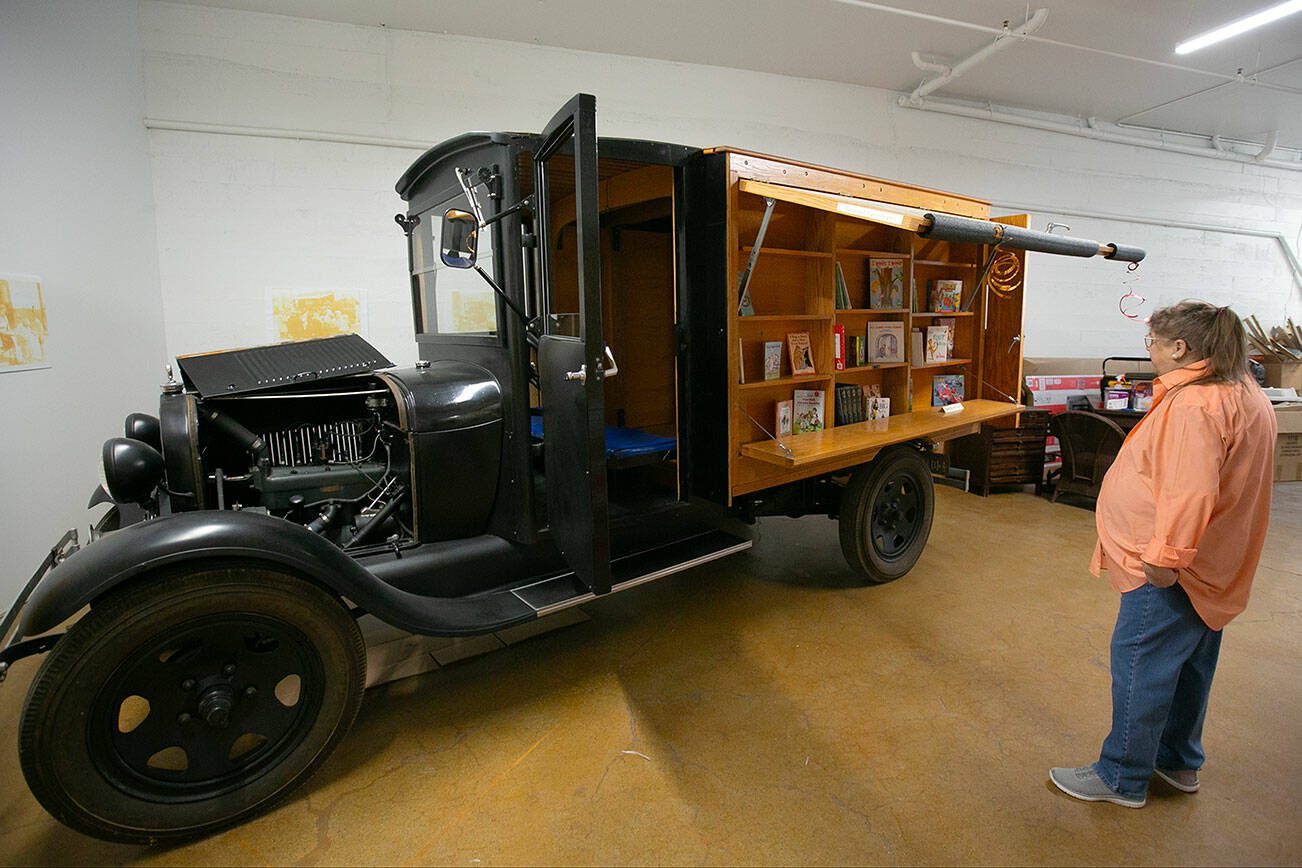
(333, 453)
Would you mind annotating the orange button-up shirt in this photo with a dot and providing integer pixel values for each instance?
(1190, 490)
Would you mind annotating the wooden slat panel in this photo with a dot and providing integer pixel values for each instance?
(849, 442)
(846, 206)
(762, 167)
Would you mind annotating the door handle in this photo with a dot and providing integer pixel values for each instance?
(1017, 339)
(581, 375)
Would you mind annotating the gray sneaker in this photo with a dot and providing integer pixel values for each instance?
(1184, 780)
(1084, 783)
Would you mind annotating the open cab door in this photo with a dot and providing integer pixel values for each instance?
(571, 362)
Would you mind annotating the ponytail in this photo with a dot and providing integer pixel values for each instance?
(1211, 333)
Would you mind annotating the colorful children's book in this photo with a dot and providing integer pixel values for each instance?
(802, 355)
(838, 347)
(946, 295)
(948, 323)
(879, 408)
(807, 405)
(784, 416)
(772, 360)
(937, 349)
(885, 283)
(946, 389)
(885, 343)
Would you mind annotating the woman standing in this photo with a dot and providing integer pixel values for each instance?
(1181, 521)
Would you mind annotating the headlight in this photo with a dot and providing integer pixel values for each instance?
(131, 470)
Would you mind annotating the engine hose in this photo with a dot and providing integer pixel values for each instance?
(323, 521)
(369, 529)
(252, 443)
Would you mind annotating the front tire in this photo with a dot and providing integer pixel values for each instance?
(189, 702)
(886, 512)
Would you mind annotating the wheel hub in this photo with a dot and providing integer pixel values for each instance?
(215, 705)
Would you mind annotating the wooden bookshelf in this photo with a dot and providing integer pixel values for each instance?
(793, 289)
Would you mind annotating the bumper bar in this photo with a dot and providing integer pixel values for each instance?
(15, 650)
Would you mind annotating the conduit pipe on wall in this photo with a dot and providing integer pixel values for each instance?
(1100, 133)
(1002, 41)
(293, 135)
(1290, 256)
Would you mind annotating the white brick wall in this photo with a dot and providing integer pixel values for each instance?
(238, 214)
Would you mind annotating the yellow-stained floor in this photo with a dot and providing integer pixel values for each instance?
(763, 710)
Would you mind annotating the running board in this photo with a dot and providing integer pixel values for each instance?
(559, 592)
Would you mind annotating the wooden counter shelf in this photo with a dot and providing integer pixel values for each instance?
(862, 440)
(932, 314)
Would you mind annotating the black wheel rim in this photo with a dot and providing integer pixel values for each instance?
(205, 708)
(897, 515)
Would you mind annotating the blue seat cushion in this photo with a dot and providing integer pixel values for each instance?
(621, 443)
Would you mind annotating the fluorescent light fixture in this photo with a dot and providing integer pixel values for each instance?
(1243, 25)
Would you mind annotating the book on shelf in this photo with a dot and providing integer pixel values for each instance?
(885, 282)
(946, 389)
(741, 361)
(772, 360)
(838, 347)
(879, 408)
(946, 294)
(860, 350)
(848, 403)
(916, 345)
(842, 294)
(807, 409)
(782, 422)
(885, 343)
(802, 354)
(949, 323)
(937, 349)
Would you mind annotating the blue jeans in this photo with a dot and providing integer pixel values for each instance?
(1163, 659)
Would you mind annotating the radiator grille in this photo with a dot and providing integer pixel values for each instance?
(333, 443)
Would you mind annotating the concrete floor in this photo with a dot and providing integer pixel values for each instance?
(765, 710)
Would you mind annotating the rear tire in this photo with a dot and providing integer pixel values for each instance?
(190, 702)
(886, 512)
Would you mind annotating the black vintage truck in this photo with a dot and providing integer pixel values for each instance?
(590, 412)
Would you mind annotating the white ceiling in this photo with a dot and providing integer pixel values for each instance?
(1091, 58)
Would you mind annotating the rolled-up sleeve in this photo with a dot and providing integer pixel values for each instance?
(1186, 484)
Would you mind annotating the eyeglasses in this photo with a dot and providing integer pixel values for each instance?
(1149, 340)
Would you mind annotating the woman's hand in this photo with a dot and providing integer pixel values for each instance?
(1160, 577)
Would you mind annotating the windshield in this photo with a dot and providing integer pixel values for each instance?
(451, 301)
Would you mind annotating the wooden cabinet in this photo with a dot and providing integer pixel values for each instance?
(792, 288)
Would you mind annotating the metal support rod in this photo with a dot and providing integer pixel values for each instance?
(743, 280)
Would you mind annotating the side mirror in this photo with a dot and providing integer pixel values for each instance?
(460, 232)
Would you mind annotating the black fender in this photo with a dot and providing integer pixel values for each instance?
(210, 535)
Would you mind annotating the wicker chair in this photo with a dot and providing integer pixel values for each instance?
(1089, 445)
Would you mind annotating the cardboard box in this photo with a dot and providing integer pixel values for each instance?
(1284, 374)
(1288, 445)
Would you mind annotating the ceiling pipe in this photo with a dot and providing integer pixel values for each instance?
(929, 66)
(1269, 148)
(1100, 133)
(1002, 41)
